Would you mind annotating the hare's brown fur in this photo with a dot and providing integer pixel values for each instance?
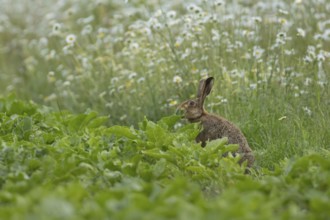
(215, 127)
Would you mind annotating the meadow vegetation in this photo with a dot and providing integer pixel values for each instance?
(99, 80)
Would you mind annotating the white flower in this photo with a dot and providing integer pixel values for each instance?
(132, 75)
(204, 73)
(50, 98)
(281, 35)
(178, 41)
(253, 86)
(326, 35)
(219, 3)
(301, 32)
(71, 39)
(307, 111)
(171, 14)
(194, 44)
(194, 8)
(56, 29)
(257, 52)
(177, 79)
(134, 46)
(257, 19)
(172, 102)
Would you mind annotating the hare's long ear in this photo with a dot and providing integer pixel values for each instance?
(205, 87)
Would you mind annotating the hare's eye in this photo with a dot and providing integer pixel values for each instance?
(191, 103)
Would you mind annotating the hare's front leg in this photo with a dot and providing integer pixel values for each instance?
(202, 137)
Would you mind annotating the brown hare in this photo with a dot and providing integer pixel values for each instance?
(214, 127)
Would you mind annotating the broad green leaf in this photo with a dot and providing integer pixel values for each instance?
(157, 154)
(75, 122)
(97, 122)
(169, 122)
(158, 136)
(122, 131)
(216, 144)
(159, 167)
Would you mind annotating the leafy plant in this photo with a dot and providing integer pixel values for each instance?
(65, 166)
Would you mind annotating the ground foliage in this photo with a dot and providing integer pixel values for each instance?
(57, 165)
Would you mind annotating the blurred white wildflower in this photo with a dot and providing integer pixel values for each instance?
(71, 39)
(320, 57)
(253, 86)
(157, 26)
(101, 32)
(301, 32)
(66, 83)
(257, 19)
(246, 56)
(289, 52)
(282, 21)
(171, 14)
(194, 44)
(134, 46)
(326, 35)
(307, 111)
(172, 102)
(222, 100)
(56, 30)
(51, 77)
(322, 25)
(87, 30)
(281, 35)
(204, 73)
(132, 75)
(283, 12)
(158, 13)
(177, 79)
(215, 35)
(177, 125)
(321, 75)
(114, 80)
(102, 94)
(308, 81)
(194, 8)
(86, 20)
(257, 52)
(318, 36)
(213, 18)
(140, 80)
(178, 41)
(219, 3)
(51, 55)
(186, 53)
(280, 39)
(50, 98)
(123, 117)
(311, 54)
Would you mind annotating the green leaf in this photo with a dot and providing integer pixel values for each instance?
(169, 122)
(97, 122)
(157, 135)
(122, 131)
(75, 122)
(157, 154)
(216, 145)
(159, 167)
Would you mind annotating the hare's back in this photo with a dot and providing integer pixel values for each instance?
(219, 127)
